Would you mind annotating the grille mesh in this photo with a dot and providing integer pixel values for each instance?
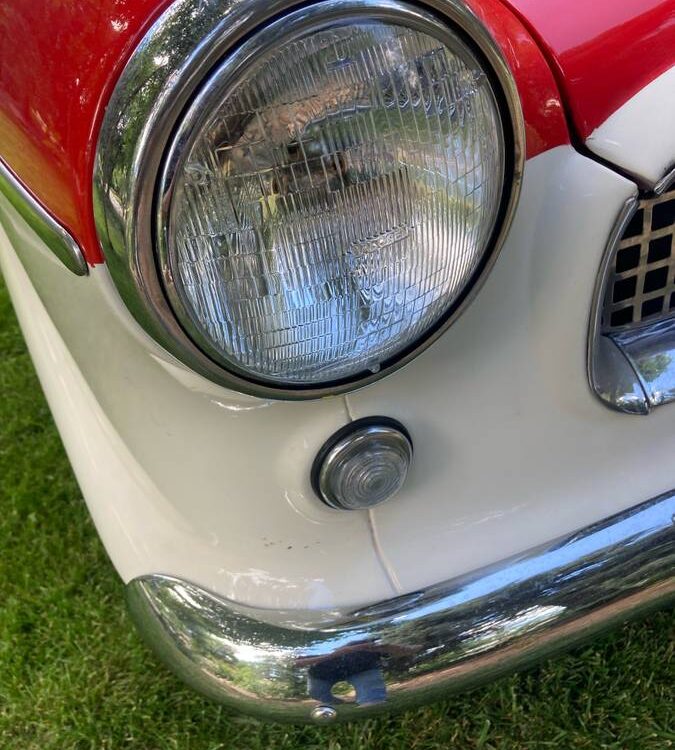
(641, 281)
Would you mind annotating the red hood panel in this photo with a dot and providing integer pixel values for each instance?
(602, 51)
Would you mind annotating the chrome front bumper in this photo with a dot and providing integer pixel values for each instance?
(408, 650)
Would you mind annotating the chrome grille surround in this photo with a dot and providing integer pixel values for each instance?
(631, 343)
(640, 285)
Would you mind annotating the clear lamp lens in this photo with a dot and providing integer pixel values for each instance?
(365, 467)
(337, 200)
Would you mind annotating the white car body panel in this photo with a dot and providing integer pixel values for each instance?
(512, 446)
(640, 136)
(180, 475)
(185, 478)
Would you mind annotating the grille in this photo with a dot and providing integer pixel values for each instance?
(641, 281)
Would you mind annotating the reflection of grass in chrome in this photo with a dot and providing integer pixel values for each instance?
(75, 676)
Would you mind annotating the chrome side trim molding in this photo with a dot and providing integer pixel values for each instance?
(294, 666)
(57, 239)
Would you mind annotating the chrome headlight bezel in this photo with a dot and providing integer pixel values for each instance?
(160, 81)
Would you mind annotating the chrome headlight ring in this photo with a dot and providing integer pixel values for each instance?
(167, 71)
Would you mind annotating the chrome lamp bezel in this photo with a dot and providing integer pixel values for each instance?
(159, 83)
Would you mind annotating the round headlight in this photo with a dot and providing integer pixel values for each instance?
(331, 194)
(295, 205)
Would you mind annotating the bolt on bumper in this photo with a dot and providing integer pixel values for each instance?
(292, 666)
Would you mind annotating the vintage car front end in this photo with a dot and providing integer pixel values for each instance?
(357, 322)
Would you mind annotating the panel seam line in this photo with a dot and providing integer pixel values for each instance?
(385, 564)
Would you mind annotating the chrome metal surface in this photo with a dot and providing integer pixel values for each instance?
(614, 380)
(611, 377)
(162, 76)
(354, 441)
(55, 237)
(651, 352)
(323, 714)
(632, 339)
(665, 182)
(401, 652)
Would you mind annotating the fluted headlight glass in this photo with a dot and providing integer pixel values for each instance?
(330, 197)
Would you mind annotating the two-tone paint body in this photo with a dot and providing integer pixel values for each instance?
(60, 63)
(512, 450)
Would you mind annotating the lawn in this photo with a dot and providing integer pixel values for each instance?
(74, 675)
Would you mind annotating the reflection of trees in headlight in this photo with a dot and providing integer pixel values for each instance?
(338, 201)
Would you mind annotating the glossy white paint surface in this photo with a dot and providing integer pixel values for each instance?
(640, 136)
(181, 476)
(511, 446)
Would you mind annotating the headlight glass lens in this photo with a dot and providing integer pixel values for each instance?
(336, 201)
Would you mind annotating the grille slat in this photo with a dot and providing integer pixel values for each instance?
(640, 286)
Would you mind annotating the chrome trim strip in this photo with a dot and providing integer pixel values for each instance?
(162, 76)
(55, 237)
(408, 650)
(664, 183)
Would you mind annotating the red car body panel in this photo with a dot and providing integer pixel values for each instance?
(58, 66)
(60, 62)
(543, 109)
(602, 51)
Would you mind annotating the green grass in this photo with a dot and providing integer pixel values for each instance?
(74, 675)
